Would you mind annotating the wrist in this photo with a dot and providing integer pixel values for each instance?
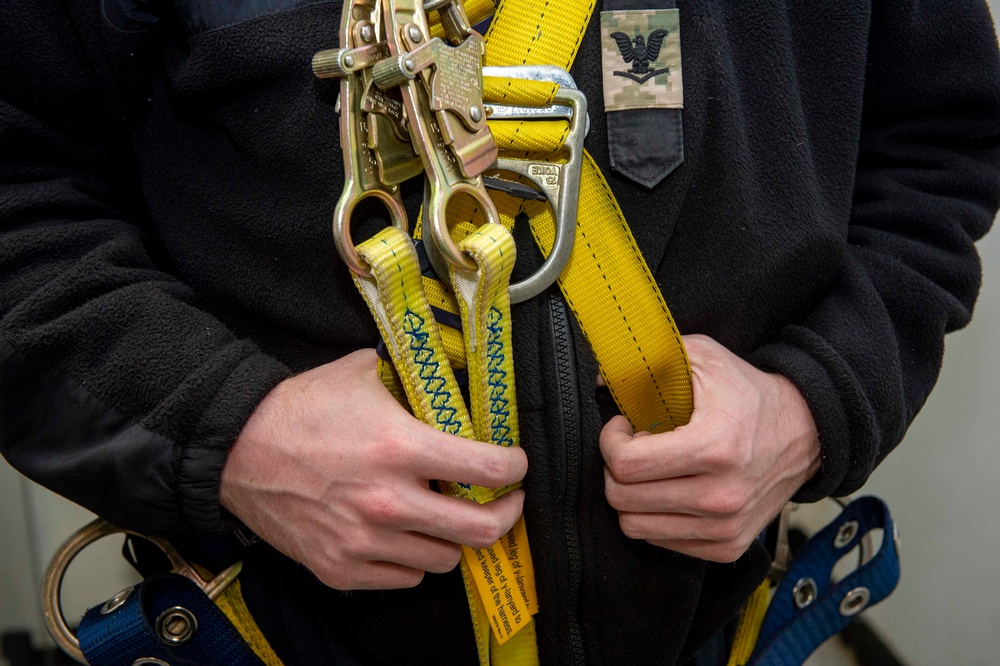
(797, 428)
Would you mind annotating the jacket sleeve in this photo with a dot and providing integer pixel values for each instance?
(927, 187)
(116, 390)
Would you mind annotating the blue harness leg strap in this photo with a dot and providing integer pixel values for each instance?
(808, 608)
(125, 630)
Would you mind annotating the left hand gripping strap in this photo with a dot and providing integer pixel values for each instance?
(790, 633)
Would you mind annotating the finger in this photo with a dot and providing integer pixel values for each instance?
(695, 448)
(713, 551)
(681, 527)
(419, 551)
(372, 576)
(682, 495)
(447, 458)
(464, 521)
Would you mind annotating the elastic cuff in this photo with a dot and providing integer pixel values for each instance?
(821, 395)
(199, 468)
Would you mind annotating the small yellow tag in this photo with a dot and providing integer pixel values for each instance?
(515, 545)
(496, 584)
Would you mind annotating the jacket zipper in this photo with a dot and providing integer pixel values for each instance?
(569, 401)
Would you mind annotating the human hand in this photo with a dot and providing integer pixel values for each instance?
(334, 473)
(709, 488)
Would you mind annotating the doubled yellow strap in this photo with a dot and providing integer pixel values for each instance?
(505, 585)
(494, 577)
(394, 294)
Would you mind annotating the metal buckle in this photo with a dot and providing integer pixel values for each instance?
(552, 73)
(55, 622)
(558, 182)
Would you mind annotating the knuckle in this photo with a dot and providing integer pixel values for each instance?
(356, 546)
(496, 467)
(721, 455)
(631, 526)
(447, 561)
(337, 577)
(409, 579)
(623, 465)
(617, 495)
(728, 529)
(726, 501)
(728, 553)
(381, 506)
(486, 532)
(393, 446)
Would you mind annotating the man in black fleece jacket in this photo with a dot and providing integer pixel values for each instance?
(167, 173)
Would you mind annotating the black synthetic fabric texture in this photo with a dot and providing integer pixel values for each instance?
(165, 260)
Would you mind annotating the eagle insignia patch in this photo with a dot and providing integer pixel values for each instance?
(641, 56)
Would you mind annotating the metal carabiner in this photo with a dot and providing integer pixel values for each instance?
(52, 614)
(441, 88)
(367, 172)
(559, 183)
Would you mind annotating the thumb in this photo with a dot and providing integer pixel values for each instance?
(616, 432)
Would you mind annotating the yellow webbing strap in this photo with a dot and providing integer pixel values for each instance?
(506, 588)
(750, 623)
(518, 92)
(606, 282)
(620, 309)
(402, 311)
(231, 603)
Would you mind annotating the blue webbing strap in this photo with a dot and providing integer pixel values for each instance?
(790, 634)
(129, 632)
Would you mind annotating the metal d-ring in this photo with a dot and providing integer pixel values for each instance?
(52, 582)
(558, 182)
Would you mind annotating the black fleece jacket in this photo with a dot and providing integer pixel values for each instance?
(167, 175)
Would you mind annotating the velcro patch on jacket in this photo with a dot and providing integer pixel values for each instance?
(641, 59)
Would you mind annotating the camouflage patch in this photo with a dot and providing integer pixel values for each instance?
(641, 58)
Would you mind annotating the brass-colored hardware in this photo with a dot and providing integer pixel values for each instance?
(55, 622)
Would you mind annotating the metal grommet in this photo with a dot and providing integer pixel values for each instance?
(176, 625)
(804, 592)
(855, 601)
(846, 533)
(117, 601)
(149, 661)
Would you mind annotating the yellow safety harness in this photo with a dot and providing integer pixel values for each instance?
(604, 279)
(413, 100)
